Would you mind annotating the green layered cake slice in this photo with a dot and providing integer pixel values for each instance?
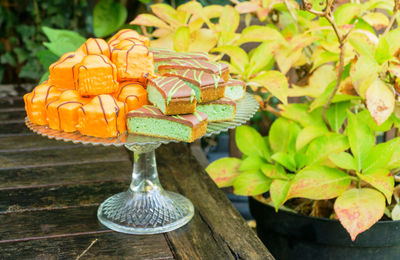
(235, 89)
(162, 55)
(217, 68)
(150, 121)
(208, 87)
(223, 109)
(171, 95)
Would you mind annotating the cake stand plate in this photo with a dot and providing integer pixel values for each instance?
(146, 208)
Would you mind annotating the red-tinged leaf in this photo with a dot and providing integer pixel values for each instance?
(166, 13)
(380, 101)
(275, 82)
(149, 20)
(278, 191)
(318, 183)
(251, 183)
(247, 7)
(359, 209)
(382, 180)
(182, 39)
(224, 171)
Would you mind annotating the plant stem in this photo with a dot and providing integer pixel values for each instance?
(393, 18)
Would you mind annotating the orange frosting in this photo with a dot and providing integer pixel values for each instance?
(133, 94)
(95, 75)
(103, 116)
(36, 101)
(62, 71)
(95, 46)
(133, 61)
(128, 34)
(62, 114)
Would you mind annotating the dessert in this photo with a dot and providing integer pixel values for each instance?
(95, 46)
(133, 94)
(62, 114)
(150, 121)
(128, 34)
(133, 60)
(62, 71)
(164, 55)
(208, 87)
(171, 95)
(235, 89)
(103, 116)
(95, 75)
(217, 68)
(36, 101)
(223, 109)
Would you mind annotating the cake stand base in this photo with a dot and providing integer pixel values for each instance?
(146, 208)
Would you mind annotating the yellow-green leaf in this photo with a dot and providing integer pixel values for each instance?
(260, 57)
(346, 12)
(149, 20)
(275, 82)
(166, 13)
(364, 73)
(308, 134)
(251, 183)
(336, 114)
(224, 171)
(359, 209)
(278, 191)
(229, 20)
(203, 40)
(320, 148)
(257, 33)
(238, 56)
(381, 179)
(318, 182)
(377, 20)
(181, 39)
(380, 101)
(343, 160)
(250, 142)
(274, 171)
(252, 162)
(282, 135)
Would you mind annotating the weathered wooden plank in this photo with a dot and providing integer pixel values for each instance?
(46, 198)
(109, 245)
(10, 114)
(14, 128)
(119, 169)
(220, 218)
(12, 102)
(30, 143)
(56, 157)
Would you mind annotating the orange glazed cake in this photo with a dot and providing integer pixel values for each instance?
(103, 116)
(36, 101)
(133, 60)
(62, 114)
(128, 34)
(62, 71)
(133, 94)
(95, 75)
(95, 46)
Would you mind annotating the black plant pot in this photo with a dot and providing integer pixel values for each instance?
(292, 236)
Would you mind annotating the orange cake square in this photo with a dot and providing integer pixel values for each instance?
(128, 34)
(36, 101)
(62, 71)
(62, 114)
(133, 94)
(103, 116)
(134, 61)
(95, 75)
(95, 46)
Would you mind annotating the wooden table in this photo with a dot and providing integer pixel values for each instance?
(50, 191)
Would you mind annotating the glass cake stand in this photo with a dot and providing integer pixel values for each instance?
(146, 208)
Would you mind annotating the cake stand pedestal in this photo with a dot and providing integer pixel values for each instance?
(146, 208)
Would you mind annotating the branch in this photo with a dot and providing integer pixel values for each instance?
(393, 18)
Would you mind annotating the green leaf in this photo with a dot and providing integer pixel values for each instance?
(322, 99)
(380, 101)
(251, 183)
(343, 160)
(44, 77)
(181, 39)
(108, 16)
(319, 149)
(364, 73)
(275, 82)
(359, 209)
(361, 139)
(282, 135)
(229, 20)
(336, 114)
(224, 171)
(299, 113)
(285, 160)
(261, 57)
(392, 39)
(278, 192)
(238, 56)
(62, 41)
(308, 134)
(379, 156)
(346, 12)
(395, 158)
(381, 179)
(365, 116)
(250, 142)
(318, 183)
(257, 33)
(252, 162)
(363, 44)
(46, 58)
(382, 53)
(274, 171)
(323, 57)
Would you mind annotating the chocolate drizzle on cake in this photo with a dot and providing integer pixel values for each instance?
(196, 77)
(172, 87)
(102, 109)
(60, 105)
(61, 61)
